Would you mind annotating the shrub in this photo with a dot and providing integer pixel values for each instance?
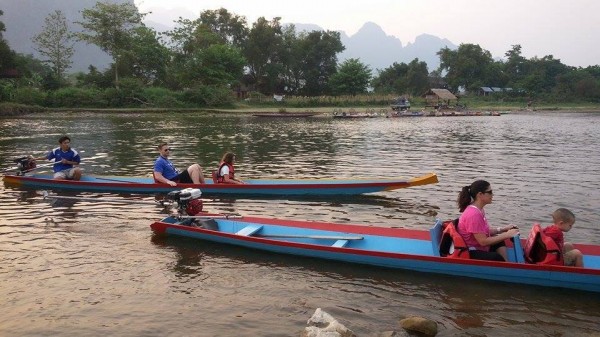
(162, 98)
(72, 97)
(29, 96)
(208, 96)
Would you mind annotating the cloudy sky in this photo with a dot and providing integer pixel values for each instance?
(566, 29)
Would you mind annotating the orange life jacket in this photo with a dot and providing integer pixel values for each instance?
(542, 249)
(452, 243)
(218, 178)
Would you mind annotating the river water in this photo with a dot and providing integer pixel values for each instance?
(81, 268)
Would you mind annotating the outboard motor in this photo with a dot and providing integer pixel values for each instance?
(24, 164)
(188, 201)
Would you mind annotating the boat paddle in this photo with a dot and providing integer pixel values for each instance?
(21, 171)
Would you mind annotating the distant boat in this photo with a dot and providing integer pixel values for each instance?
(400, 104)
(285, 114)
(405, 114)
(352, 113)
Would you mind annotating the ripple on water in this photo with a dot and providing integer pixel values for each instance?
(94, 268)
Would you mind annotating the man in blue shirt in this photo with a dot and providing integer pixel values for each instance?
(66, 159)
(166, 173)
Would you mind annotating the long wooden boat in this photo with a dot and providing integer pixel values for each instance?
(285, 114)
(266, 187)
(407, 249)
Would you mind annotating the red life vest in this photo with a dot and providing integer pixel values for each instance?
(452, 243)
(542, 249)
(218, 178)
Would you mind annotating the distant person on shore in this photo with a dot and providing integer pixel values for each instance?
(66, 160)
(225, 174)
(484, 243)
(166, 173)
(563, 222)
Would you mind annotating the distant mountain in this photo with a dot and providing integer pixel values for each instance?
(378, 50)
(25, 18)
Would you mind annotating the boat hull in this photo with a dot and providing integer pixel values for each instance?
(274, 187)
(382, 247)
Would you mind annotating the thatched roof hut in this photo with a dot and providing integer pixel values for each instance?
(439, 98)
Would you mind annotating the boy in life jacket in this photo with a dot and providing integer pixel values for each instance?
(563, 222)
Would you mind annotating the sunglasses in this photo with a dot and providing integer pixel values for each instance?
(167, 149)
(488, 192)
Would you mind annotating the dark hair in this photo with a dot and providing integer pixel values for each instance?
(160, 146)
(469, 192)
(63, 138)
(563, 214)
(228, 158)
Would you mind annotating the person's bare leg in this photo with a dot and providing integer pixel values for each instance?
(502, 252)
(195, 172)
(77, 174)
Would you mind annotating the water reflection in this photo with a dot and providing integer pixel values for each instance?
(469, 305)
(99, 262)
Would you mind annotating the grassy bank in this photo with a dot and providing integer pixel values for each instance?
(13, 109)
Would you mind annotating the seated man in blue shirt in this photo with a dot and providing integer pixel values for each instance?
(66, 159)
(166, 173)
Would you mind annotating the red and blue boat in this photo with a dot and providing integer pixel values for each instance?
(406, 249)
(256, 187)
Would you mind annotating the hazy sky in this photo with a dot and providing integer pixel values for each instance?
(566, 29)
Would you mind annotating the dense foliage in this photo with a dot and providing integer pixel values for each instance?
(218, 58)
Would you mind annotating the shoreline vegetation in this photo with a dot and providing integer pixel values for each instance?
(14, 109)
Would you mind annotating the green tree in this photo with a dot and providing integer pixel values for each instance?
(515, 66)
(205, 51)
(94, 79)
(110, 27)
(417, 77)
(318, 60)
(402, 78)
(146, 58)
(213, 63)
(218, 65)
(542, 74)
(55, 43)
(33, 72)
(263, 51)
(465, 67)
(577, 84)
(7, 55)
(352, 78)
(391, 80)
(190, 35)
(230, 27)
(292, 75)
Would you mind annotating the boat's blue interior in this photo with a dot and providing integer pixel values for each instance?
(330, 238)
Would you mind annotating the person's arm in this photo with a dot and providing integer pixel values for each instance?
(502, 229)
(161, 179)
(69, 162)
(485, 240)
(228, 180)
(48, 156)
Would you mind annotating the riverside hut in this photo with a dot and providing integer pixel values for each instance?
(439, 98)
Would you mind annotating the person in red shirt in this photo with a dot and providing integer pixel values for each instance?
(563, 222)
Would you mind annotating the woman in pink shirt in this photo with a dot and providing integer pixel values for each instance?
(484, 243)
